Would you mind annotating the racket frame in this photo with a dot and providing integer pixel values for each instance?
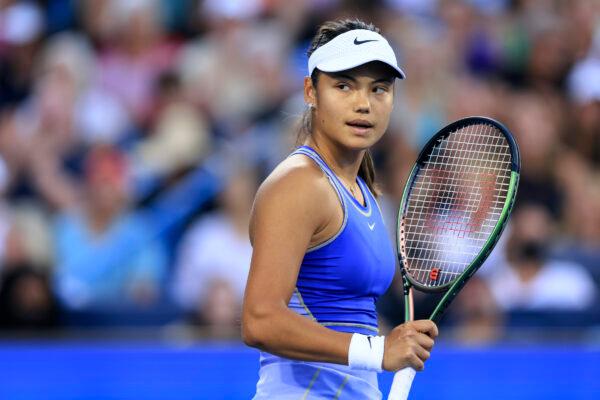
(452, 288)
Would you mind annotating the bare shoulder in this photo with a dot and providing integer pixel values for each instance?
(298, 189)
(297, 172)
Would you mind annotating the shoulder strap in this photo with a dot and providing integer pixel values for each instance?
(309, 152)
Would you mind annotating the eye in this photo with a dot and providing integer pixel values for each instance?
(343, 86)
(380, 89)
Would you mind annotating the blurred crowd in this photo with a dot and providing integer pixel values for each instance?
(134, 133)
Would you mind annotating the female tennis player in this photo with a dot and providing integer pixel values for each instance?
(321, 255)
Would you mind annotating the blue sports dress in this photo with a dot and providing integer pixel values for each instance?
(338, 284)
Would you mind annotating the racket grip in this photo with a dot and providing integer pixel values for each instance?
(401, 385)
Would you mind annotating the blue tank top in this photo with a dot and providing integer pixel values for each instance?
(341, 279)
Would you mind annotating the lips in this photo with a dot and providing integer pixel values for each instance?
(360, 123)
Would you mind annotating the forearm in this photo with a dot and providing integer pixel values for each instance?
(287, 334)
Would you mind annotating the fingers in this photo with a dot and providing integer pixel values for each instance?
(416, 363)
(417, 356)
(424, 341)
(421, 353)
(409, 345)
(425, 326)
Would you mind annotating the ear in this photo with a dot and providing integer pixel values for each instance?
(310, 92)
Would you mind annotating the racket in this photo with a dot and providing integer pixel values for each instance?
(454, 208)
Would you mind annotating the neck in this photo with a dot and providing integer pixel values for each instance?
(527, 271)
(99, 221)
(344, 162)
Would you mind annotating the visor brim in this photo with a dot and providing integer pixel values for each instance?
(349, 62)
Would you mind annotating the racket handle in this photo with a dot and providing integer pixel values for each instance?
(401, 385)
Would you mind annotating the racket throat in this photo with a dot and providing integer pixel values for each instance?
(409, 306)
(447, 299)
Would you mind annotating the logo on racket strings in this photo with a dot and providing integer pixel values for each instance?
(434, 274)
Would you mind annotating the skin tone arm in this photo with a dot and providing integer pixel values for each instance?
(293, 206)
(283, 221)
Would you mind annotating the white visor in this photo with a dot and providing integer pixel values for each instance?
(352, 49)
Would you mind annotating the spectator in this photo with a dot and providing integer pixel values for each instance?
(27, 301)
(536, 122)
(21, 26)
(584, 91)
(532, 281)
(581, 223)
(137, 55)
(475, 315)
(237, 72)
(106, 256)
(180, 137)
(214, 257)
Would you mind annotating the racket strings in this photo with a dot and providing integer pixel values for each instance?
(455, 202)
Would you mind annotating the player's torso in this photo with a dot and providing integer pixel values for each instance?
(339, 280)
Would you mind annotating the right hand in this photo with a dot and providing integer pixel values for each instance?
(409, 345)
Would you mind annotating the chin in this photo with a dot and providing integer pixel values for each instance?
(361, 142)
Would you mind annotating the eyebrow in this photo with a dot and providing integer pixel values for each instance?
(385, 80)
(353, 79)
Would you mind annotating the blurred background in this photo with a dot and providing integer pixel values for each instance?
(133, 136)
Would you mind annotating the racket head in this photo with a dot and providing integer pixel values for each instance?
(456, 204)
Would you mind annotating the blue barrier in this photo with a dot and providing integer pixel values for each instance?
(132, 370)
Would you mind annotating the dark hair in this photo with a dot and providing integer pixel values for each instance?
(16, 311)
(326, 32)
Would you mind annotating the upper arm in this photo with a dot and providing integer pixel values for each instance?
(287, 211)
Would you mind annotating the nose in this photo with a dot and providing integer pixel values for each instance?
(362, 103)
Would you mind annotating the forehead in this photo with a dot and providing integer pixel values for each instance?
(532, 221)
(375, 70)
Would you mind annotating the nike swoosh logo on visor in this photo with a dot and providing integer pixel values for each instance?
(357, 42)
(371, 227)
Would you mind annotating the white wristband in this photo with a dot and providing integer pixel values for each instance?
(366, 352)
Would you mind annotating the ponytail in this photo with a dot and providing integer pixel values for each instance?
(367, 172)
(305, 127)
